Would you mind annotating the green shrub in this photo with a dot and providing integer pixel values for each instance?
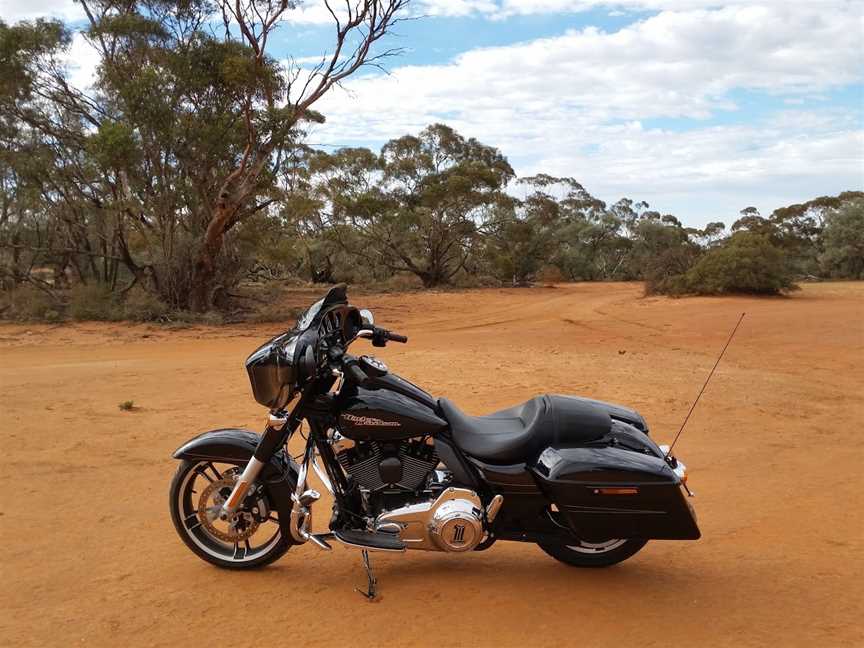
(27, 302)
(746, 263)
(142, 306)
(665, 271)
(93, 301)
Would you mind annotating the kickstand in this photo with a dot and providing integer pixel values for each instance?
(372, 587)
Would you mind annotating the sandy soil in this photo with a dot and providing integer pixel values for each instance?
(774, 449)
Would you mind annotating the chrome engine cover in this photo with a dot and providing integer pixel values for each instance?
(452, 522)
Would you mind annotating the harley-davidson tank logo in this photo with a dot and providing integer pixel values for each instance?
(370, 421)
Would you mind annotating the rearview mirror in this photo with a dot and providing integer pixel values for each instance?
(367, 318)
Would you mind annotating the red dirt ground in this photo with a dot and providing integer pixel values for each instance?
(775, 455)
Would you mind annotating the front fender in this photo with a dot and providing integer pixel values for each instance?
(236, 446)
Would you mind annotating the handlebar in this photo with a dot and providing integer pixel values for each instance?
(381, 336)
(338, 357)
(395, 337)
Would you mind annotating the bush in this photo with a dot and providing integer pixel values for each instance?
(93, 301)
(142, 306)
(665, 272)
(746, 263)
(27, 302)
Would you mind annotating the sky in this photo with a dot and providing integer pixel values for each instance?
(699, 107)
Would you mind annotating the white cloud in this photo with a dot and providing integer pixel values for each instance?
(14, 10)
(82, 59)
(574, 104)
(499, 9)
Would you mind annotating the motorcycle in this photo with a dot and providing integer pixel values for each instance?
(580, 478)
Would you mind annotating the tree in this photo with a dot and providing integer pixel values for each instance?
(843, 241)
(662, 251)
(418, 206)
(521, 235)
(185, 136)
(800, 229)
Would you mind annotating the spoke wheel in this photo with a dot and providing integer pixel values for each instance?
(250, 538)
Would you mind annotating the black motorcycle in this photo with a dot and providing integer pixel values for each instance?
(580, 478)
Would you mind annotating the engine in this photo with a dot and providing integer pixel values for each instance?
(375, 466)
(452, 522)
(406, 494)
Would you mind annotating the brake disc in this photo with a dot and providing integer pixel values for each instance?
(240, 526)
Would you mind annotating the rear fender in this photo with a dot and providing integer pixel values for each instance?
(235, 446)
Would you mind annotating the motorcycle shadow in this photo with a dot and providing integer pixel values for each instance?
(523, 568)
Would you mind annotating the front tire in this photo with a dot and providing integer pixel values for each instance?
(580, 553)
(195, 491)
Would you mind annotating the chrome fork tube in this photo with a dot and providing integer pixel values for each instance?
(249, 476)
(301, 515)
(273, 437)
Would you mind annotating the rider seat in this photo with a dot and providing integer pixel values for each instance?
(518, 434)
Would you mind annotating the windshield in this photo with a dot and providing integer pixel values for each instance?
(336, 295)
(306, 317)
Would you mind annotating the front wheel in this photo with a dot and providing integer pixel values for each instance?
(250, 538)
(581, 553)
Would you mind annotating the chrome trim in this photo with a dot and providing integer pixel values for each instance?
(367, 317)
(422, 524)
(277, 421)
(243, 485)
(322, 474)
(320, 540)
(365, 548)
(597, 547)
(389, 527)
(301, 516)
(493, 508)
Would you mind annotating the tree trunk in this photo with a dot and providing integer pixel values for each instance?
(204, 269)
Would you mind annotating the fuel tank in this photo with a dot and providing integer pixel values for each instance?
(388, 408)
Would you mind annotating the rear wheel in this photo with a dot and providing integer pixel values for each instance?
(250, 538)
(581, 553)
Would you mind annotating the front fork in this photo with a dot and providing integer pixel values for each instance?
(280, 429)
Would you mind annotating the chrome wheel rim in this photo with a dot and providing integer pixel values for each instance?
(597, 547)
(200, 495)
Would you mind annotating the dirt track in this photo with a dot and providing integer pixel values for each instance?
(775, 452)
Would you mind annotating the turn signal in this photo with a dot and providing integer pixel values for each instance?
(616, 491)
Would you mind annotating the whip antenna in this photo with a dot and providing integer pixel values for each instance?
(701, 391)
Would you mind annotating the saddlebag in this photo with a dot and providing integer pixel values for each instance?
(613, 492)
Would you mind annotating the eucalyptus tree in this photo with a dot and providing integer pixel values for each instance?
(418, 207)
(182, 138)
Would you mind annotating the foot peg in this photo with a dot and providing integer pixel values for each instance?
(320, 541)
(309, 497)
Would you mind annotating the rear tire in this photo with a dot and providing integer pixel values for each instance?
(588, 554)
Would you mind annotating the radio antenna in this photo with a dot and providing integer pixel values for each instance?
(701, 391)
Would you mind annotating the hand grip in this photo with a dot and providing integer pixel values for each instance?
(395, 337)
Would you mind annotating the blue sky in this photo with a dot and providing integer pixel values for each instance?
(699, 107)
